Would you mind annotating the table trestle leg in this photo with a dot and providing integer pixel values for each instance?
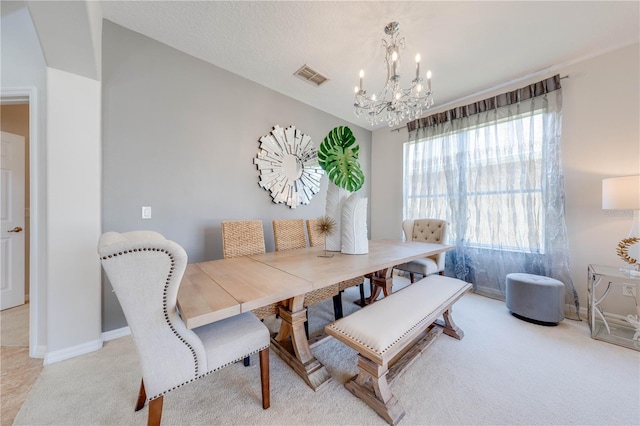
(381, 281)
(292, 346)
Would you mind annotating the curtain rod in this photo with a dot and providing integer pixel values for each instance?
(470, 96)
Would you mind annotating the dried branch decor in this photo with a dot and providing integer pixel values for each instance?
(326, 225)
(623, 248)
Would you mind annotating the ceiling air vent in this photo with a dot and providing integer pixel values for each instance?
(310, 75)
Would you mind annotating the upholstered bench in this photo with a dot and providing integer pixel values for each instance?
(534, 297)
(391, 333)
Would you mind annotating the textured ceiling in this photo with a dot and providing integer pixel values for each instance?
(469, 46)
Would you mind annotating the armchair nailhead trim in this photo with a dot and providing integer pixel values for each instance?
(197, 375)
(164, 304)
(205, 374)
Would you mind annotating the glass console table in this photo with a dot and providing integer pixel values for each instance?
(619, 329)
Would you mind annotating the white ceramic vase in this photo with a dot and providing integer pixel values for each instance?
(335, 200)
(354, 225)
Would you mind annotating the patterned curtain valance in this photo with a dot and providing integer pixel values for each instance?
(530, 91)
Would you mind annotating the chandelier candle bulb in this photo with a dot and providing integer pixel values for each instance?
(394, 59)
(361, 78)
(417, 67)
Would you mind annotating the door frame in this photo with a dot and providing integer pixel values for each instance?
(36, 305)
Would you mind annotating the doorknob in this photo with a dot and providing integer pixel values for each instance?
(16, 229)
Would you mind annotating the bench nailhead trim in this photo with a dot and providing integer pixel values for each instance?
(390, 345)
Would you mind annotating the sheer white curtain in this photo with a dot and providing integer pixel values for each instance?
(492, 170)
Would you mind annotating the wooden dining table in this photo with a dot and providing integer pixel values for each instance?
(217, 289)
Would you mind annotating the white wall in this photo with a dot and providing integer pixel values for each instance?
(65, 168)
(600, 138)
(70, 35)
(73, 199)
(23, 69)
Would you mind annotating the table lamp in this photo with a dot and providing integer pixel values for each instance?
(623, 193)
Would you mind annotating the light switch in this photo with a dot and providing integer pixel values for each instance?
(146, 212)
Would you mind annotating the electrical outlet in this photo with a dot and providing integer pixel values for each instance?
(146, 212)
(629, 290)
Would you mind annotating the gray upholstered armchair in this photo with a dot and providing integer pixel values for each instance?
(145, 271)
(428, 231)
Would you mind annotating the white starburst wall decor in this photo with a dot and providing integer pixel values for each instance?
(288, 166)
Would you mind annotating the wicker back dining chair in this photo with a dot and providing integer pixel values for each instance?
(315, 236)
(427, 231)
(316, 239)
(288, 234)
(145, 271)
(244, 238)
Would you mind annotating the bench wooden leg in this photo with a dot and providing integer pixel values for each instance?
(371, 386)
(449, 327)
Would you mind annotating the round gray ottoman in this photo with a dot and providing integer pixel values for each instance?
(536, 298)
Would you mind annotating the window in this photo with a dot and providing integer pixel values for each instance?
(492, 169)
(479, 174)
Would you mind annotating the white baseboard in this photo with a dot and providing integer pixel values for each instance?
(611, 318)
(115, 334)
(85, 348)
(571, 309)
(38, 352)
(72, 352)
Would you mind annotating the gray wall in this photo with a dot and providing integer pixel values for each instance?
(180, 135)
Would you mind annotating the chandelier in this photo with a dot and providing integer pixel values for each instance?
(394, 104)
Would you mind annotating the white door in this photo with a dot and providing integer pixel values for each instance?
(13, 221)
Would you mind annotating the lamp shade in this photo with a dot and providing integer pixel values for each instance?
(621, 193)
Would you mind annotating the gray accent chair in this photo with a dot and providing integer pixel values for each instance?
(427, 231)
(145, 271)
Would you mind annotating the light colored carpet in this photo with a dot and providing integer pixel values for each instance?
(14, 326)
(504, 371)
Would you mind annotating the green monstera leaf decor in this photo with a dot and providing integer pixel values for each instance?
(338, 156)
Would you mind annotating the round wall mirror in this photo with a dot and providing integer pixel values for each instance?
(288, 166)
(291, 167)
